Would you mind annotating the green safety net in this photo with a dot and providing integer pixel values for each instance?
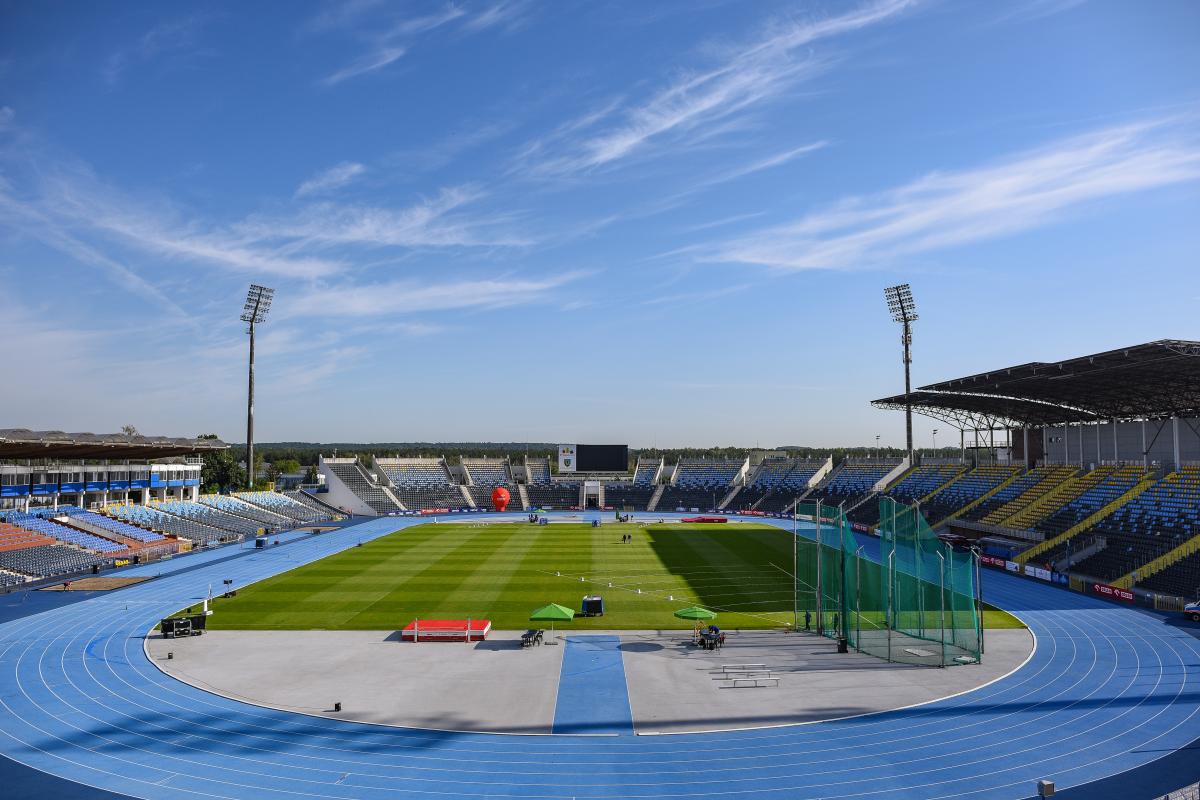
(918, 604)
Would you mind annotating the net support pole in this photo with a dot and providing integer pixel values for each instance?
(820, 596)
(942, 579)
(979, 603)
(858, 598)
(795, 569)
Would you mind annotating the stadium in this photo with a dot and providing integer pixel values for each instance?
(928, 626)
(481, 399)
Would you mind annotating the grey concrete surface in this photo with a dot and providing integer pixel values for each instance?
(492, 686)
(675, 687)
(495, 686)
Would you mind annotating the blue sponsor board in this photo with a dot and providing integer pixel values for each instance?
(96, 486)
(138, 484)
(44, 488)
(70, 487)
(192, 482)
(119, 486)
(176, 483)
(14, 491)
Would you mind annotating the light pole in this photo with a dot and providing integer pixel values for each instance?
(258, 303)
(935, 430)
(877, 446)
(904, 310)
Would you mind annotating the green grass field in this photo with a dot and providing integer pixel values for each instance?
(502, 572)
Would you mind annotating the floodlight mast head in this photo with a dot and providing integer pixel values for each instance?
(258, 304)
(904, 310)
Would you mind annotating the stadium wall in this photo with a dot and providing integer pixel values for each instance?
(1167, 442)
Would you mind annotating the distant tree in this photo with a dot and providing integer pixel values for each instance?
(129, 430)
(219, 469)
(286, 466)
(311, 475)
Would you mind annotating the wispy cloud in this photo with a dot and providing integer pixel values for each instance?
(507, 14)
(375, 60)
(742, 78)
(6, 117)
(692, 298)
(438, 221)
(947, 209)
(173, 36)
(1031, 10)
(333, 178)
(388, 37)
(411, 297)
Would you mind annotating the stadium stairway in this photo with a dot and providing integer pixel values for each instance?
(470, 501)
(523, 495)
(1055, 499)
(974, 502)
(658, 493)
(1156, 566)
(1145, 483)
(730, 497)
(1051, 480)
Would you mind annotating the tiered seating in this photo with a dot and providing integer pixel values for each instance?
(482, 495)
(1169, 508)
(115, 526)
(199, 512)
(793, 485)
(488, 472)
(426, 472)
(965, 490)
(620, 495)
(853, 482)
(44, 561)
(10, 579)
(1158, 520)
(538, 470)
(1181, 579)
(64, 533)
(644, 474)
(699, 483)
(911, 488)
(285, 505)
(423, 483)
(767, 477)
(155, 519)
(238, 507)
(1018, 495)
(558, 495)
(349, 474)
(1122, 554)
(304, 499)
(13, 537)
(1100, 493)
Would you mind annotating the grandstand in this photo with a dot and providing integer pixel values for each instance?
(701, 483)
(912, 487)
(853, 482)
(1095, 433)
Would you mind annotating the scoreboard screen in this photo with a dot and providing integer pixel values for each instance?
(593, 458)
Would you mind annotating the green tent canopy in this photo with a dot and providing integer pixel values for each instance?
(695, 613)
(552, 613)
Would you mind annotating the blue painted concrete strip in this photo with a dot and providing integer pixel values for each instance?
(592, 697)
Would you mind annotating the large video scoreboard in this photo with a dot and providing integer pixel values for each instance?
(593, 458)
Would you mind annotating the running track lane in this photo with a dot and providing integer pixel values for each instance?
(1107, 689)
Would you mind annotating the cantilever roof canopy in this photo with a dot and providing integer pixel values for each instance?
(1158, 379)
(21, 443)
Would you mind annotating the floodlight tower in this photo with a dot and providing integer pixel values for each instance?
(258, 303)
(904, 310)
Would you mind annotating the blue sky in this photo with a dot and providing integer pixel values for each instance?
(665, 224)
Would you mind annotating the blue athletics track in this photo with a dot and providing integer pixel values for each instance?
(1108, 703)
